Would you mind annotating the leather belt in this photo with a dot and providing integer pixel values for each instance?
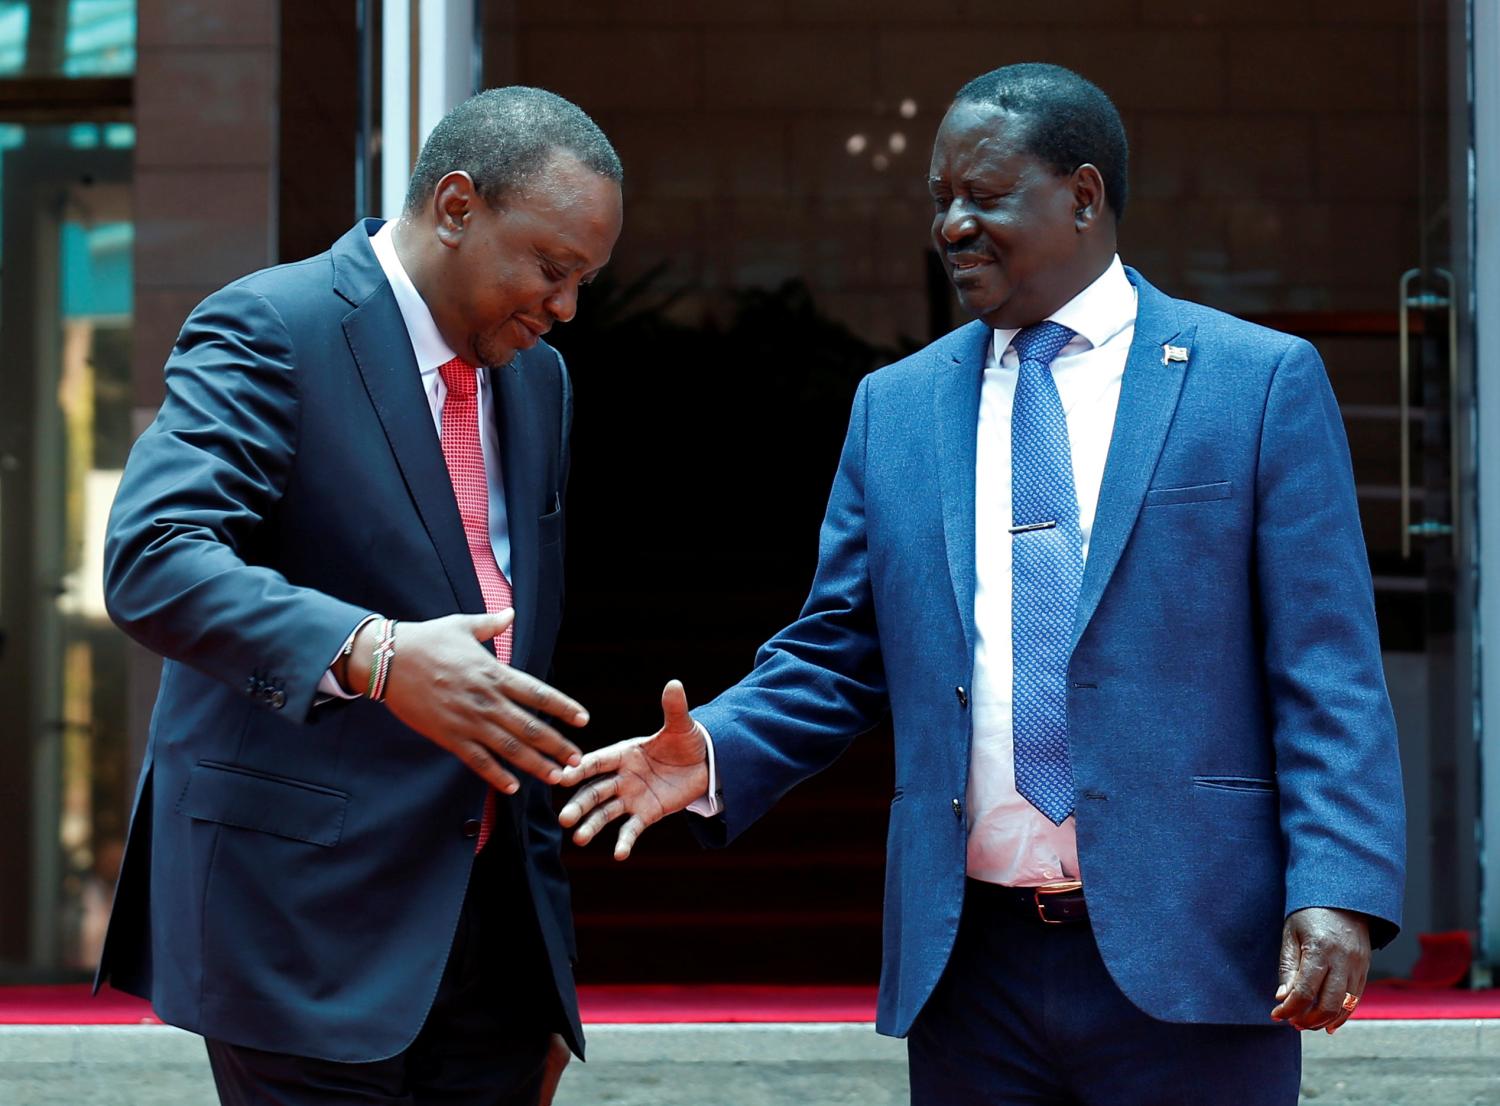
(1060, 903)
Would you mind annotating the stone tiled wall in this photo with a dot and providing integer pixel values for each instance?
(205, 175)
(1275, 144)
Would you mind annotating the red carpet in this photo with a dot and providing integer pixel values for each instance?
(649, 1005)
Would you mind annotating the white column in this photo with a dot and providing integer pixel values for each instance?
(1486, 183)
(428, 65)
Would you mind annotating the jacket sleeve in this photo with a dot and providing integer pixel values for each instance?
(179, 570)
(817, 684)
(1342, 810)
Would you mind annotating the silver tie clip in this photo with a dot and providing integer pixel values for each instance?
(1032, 526)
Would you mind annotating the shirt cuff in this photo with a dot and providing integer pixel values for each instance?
(710, 805)
(329, 686)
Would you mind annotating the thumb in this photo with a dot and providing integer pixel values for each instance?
(674, 707)
(487, 626)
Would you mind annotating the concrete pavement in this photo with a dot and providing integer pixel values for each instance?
(1388, 1063)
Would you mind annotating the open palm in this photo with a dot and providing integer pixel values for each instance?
(641, 780)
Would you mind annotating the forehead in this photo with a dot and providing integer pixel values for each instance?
(979, 139)
(568, 201)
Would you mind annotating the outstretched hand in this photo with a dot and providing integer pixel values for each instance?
(642, 780)
(450, 689)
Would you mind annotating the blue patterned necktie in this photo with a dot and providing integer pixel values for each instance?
(1046, 571)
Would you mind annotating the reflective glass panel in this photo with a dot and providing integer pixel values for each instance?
(67, 38)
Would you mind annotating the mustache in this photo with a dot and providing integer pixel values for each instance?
(967, 251)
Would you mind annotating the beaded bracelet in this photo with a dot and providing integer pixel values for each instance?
(380, 662)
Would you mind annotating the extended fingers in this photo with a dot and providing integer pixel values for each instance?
(601, 817)
(597, 763)
(512, 713)
(522, 687)
(586, 799)
(483, 763)
(630, 833)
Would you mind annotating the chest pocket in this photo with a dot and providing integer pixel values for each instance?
(1192, 493)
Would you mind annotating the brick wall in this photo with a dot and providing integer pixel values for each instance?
(1275, 144)
(205, 163)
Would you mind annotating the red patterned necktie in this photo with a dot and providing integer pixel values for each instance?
(465, 460)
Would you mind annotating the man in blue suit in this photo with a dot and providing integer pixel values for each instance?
(343, 866)
(1098, 555)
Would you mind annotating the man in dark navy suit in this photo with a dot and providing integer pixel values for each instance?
(1098, 555)
(344, 533)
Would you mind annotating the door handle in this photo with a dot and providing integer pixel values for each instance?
(1453, 451)
(1403, 301)
(1428, 527)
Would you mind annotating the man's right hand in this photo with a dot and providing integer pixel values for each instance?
(642, 780)
(445, 685)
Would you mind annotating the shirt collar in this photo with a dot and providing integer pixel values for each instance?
(1095, 315)
(427, 344)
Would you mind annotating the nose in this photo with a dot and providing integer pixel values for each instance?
(562, 305)
(957, 223)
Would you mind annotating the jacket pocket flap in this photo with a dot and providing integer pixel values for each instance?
(1252, 784)
(234, 796)
(1195, 493)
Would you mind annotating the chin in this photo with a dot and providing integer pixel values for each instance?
(494, 354)
(983, 303)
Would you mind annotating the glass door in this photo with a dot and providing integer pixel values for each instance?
(65, 311)
(1417, 489)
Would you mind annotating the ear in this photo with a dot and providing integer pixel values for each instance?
(1088, 196)
(453, 201)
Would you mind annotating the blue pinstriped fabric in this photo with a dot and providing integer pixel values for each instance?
(1046, 571)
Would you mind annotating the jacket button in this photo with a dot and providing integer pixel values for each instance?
(958, 810)
(277, 699)
(471, 828)
(963, 696)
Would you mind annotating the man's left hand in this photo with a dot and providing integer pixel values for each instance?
(1325, 955)
(558, 1056)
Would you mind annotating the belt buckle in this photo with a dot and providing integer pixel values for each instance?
(1045, 890)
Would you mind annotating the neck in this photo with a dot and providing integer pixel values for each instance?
(405, 238)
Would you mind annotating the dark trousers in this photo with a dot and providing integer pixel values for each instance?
(1028, 1013)
(484, 1040)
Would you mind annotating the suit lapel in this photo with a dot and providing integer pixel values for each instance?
(955, 401)
(382, 352)
(1148, 400)
(522, 472)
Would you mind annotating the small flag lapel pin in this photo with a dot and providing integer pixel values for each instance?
(1173, 353)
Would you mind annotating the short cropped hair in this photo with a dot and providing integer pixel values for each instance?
(503, 136)
(1069, 120)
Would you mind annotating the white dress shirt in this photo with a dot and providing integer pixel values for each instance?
(431, 353)
(1010, 841)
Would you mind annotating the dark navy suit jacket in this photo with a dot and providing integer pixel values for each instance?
(294, 871)
(1233, 748)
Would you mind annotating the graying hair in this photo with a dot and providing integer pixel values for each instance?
(503, 136)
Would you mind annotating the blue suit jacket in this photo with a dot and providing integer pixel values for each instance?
(1233, 749)
(294, 872)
